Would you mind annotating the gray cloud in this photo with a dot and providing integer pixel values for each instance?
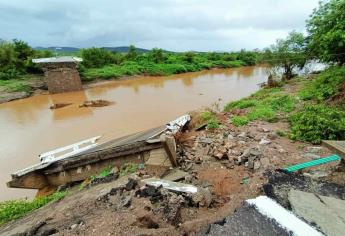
(171, 24)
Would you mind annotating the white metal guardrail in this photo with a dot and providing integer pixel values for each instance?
(70, 150)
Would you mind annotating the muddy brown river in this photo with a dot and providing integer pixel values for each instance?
(28, 127)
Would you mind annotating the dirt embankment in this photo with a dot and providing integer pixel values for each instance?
(228, 165)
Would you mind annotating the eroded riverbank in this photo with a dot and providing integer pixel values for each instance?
(31, 128)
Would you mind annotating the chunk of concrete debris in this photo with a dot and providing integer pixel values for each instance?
(261, 216)
(264, 142)
(202, 198)
(311, 156)
(170, 185)
(314, 150)
(280, 183)
(59, 105)
(257, 165)
(175, 175)
(327, 213)
(205, 140)
(265, 162)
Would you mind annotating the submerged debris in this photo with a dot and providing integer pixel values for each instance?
(59, 105)
(96, 103)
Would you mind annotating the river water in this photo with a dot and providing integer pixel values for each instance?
(28, 127)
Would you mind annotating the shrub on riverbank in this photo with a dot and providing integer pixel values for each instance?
(314, 123)
(325, 85)
(14, 209)
(309, 122)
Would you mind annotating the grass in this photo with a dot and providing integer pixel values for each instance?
(15, 85)
(14, 209)
(263, 105)
(128, 168)
(211, 119)
(239, 120)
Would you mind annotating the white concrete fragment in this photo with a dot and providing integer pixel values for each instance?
(175, 125)
(283, 217)
(57, 59)
(175, 186)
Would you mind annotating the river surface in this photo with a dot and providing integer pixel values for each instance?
(28, 127)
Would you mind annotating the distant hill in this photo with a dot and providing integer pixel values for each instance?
(124, 49)
(58, 49)
(73, 49)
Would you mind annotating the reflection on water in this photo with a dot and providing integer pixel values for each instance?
(29, 127)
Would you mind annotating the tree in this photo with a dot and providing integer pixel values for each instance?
(24, 52)
(8, 55)
(188, 57)
(326, 28)
(132, 53)
(157, 55)
(8, 59)
(96, 57)
(288, 54)
(249, 58)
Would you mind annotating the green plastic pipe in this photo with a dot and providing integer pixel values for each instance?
(317, 162)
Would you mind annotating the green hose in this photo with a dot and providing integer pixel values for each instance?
(313, 163)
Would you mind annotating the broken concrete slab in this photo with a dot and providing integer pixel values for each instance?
(175, 175)
(280, 183)
(158, 157)
(327, 213)
(170, 185)
(261, 216)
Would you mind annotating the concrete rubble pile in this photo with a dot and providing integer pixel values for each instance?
(251, 149)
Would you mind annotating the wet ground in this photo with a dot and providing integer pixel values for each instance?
(29, 127)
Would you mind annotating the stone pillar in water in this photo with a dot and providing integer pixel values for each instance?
(61, 73)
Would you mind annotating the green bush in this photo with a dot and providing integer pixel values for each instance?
(317, 122)
(212, 124)
(14, 209)
(211, 119)
(325, 85)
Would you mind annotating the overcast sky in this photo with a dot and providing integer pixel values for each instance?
(179, 25)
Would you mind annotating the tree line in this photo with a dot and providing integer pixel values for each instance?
(325, 41)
